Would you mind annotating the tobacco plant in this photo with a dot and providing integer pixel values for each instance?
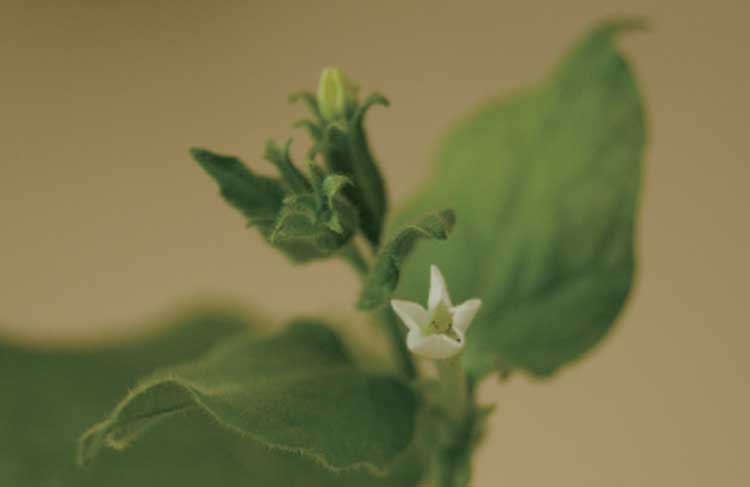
(515, 257)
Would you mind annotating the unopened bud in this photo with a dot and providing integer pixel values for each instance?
(336, 94)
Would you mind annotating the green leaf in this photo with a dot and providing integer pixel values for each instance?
(307, 228)
(296, 392)
(50, 396)
(257, 197)
(343, 217)
(305, 220)
(384, 276)
(191, 451)
(308, 99)
(546, 185)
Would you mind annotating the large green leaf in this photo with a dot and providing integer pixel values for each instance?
(49, 396)
(191, 451)
(545, 186)
(297, 392)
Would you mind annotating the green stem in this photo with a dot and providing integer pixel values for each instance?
(452, 455)
(398, 342)
(351, 254)
(453, 391)
(449, 472)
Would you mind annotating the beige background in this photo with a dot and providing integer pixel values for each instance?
(105, 221)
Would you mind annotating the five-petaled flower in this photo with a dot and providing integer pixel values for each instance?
(439, 331)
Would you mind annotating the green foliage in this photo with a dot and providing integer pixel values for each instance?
(384, 276)
(306, 230)
(340, 137)
(305, 219)
(50, 396)
(297, 392)
(257, 197)
(545, 184)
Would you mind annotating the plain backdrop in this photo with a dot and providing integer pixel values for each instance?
(105, 222)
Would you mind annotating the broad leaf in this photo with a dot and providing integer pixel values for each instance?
(297, 392)
(545, 186)
(384, 276)
(48, 397)
(191, 451)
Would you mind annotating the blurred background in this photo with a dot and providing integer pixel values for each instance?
(106, 222)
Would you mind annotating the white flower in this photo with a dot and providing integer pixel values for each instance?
(439, 331)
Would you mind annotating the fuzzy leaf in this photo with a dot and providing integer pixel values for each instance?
(545, 184)
(308, 229)
(384, 276)
(297, 392)
(49, 397)
(257, 197)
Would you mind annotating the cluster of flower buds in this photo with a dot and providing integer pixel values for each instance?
(337, 127)
(312, 214)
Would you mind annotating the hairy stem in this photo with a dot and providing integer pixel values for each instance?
(350, 253)
(398, 343)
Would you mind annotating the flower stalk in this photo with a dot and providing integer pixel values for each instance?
(438, 332)
(452, 394)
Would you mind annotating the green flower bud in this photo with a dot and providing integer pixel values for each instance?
(337, 95)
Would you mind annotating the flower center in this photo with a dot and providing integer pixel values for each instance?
(441, 322)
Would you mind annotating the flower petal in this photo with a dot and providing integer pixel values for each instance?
(412, 314)
(438, 289)
(464, 313)
(432, 346)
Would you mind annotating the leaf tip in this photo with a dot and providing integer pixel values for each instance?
(613, 26)
(198, 153)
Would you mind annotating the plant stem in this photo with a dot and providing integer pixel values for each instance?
(398, 342)
(453, 392)
(450, 473)
(452, 455)
(351, 254)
